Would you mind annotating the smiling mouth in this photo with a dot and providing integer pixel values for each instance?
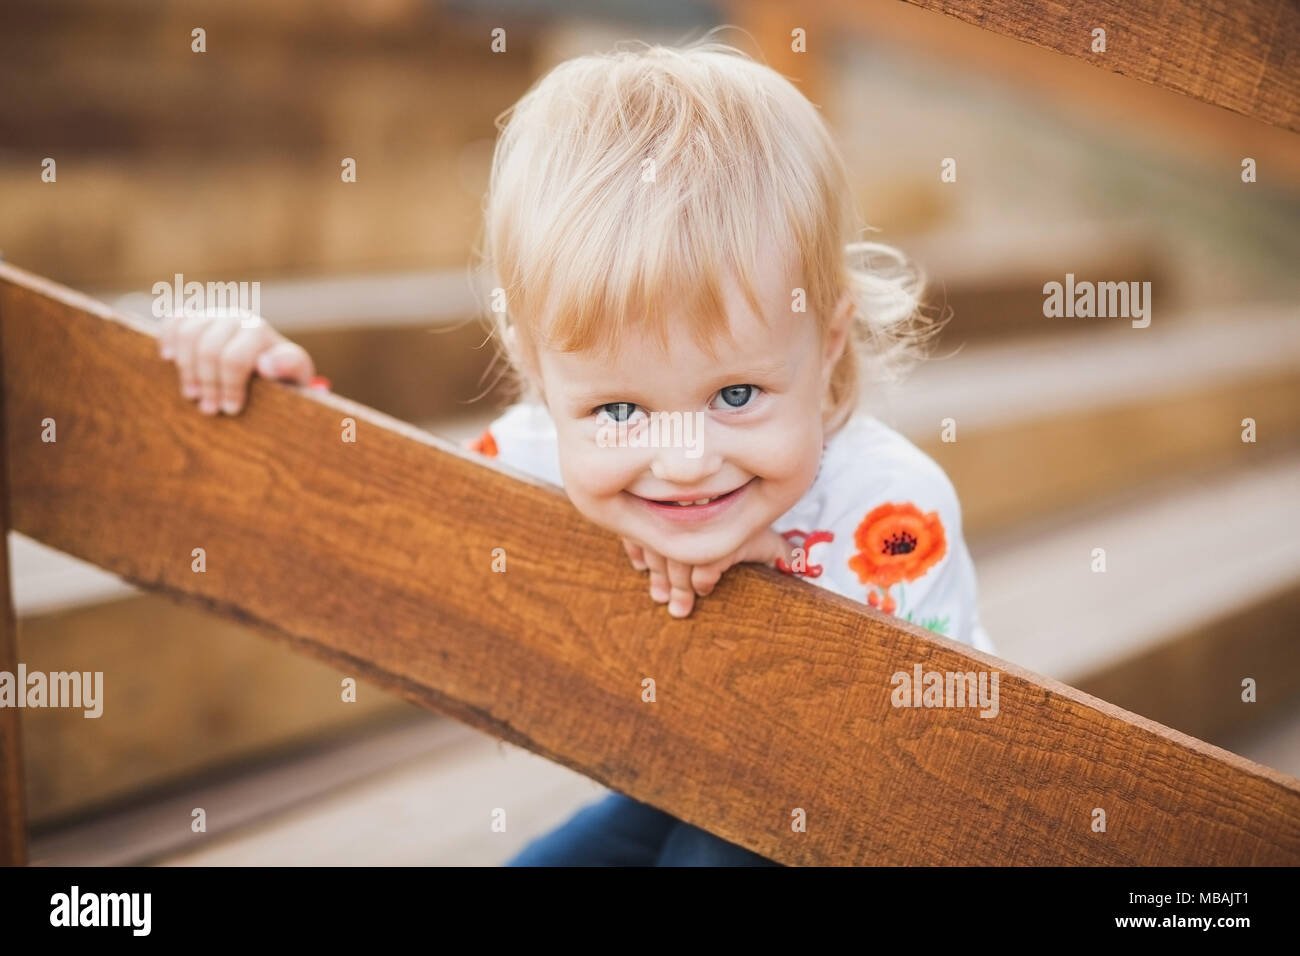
(698, 502)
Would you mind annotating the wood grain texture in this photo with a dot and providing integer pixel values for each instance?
(13, 815)
(1243, 55)
(772, 696)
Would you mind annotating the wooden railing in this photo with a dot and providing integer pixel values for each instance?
(1238, 54)
(772, 701)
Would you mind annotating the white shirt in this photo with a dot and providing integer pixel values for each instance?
(883, 520)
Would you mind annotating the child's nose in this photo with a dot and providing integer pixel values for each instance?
(684, 466)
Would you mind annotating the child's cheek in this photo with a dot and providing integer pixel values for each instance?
(780, 453)
(596, 473)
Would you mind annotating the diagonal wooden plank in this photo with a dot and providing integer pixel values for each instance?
(1243, 55)
(773, 697)
(13, 813)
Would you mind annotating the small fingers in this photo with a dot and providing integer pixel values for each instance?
(286, 362)
(167, 336)
(682, 596)
(184, 338)
(208, 349)
(660, 589)
(235, 367)
(635, 554)
(705, 577)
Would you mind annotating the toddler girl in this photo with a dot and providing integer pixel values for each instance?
(691, 320)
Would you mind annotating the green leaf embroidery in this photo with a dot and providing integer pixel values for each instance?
(937, 624)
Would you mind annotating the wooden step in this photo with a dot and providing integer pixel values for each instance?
(1201, 590)
(184, 693)
(418, 795)
(993, 288)
(1045, 426)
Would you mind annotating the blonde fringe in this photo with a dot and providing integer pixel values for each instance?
(570, 153)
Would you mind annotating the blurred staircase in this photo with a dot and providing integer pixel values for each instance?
(1072, 434)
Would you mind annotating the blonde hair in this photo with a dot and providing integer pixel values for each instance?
(584, 244)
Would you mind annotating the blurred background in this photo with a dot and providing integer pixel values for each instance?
(1075, 434)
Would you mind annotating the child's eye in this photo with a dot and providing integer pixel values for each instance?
(737, 396)
(618, 411)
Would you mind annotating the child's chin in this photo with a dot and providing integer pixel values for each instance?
(707, 550)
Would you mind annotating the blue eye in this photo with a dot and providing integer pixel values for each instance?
(619, 411)
(737, 396)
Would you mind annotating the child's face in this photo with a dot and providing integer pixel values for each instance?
(760, 443)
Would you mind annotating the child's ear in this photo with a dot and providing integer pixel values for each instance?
(510, 345)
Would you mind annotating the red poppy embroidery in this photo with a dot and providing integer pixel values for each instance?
(485, 444)
(804, 540)
(896, 543)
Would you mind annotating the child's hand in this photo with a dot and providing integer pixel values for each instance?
(678, 584)
(216, 355)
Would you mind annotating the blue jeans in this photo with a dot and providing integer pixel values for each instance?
(619, 831)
